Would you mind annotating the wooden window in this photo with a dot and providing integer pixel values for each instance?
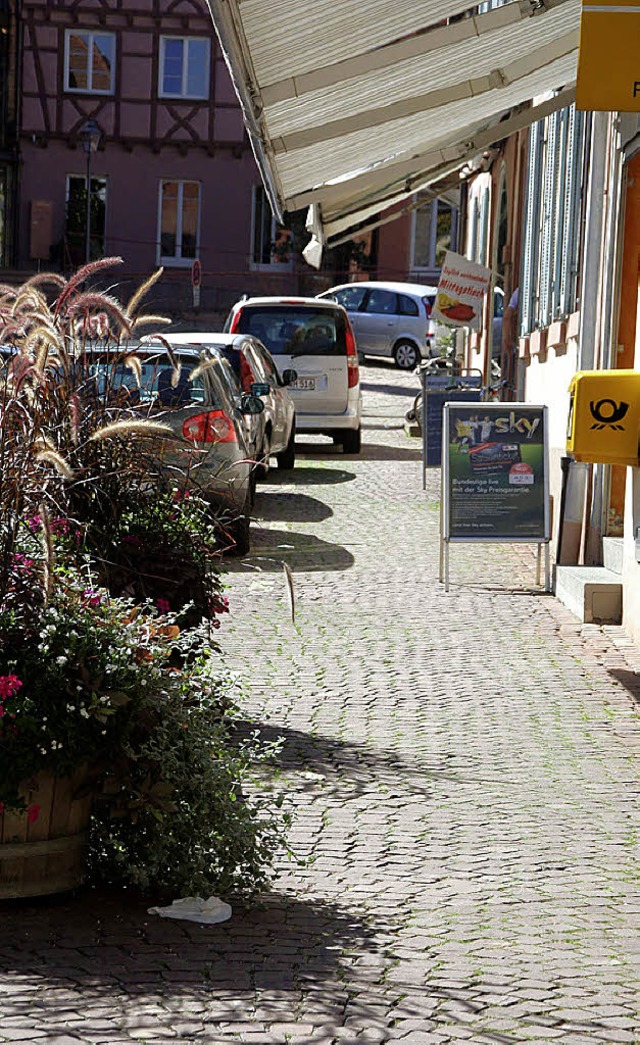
(89, 62)
(184, 67)
(178, 222)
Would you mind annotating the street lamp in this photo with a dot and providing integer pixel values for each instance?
(90, 136)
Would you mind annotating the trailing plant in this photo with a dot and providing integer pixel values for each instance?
(108, 599)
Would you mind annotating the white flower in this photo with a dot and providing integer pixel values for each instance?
(84, 712)
(61, 661)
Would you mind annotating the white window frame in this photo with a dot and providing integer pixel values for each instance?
(170, 260)
(271, 265)
(186, 40)
(90, 34)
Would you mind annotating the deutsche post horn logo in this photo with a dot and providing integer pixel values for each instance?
(607, 413)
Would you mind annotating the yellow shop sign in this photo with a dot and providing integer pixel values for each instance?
(609, 58)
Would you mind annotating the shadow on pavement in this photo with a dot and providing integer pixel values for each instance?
(302, 552)
(310, 476)
(629, 679)
(390, 390)
(104, 942)
(290, 507)
(380, 452)
(346, 766)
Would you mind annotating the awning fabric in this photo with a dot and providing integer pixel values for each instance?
(353, 105)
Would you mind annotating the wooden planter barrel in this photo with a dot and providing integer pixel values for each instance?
(46, 855)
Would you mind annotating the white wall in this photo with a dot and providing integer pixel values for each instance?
(547, 379)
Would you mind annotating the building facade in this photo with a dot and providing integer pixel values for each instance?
(576, 201)
(9, 111)
(172, 179)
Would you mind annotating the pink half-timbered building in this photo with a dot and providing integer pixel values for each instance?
(173, 177)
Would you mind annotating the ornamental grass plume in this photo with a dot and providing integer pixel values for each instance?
(108, 602)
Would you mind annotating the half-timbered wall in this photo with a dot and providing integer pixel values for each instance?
(125, 63)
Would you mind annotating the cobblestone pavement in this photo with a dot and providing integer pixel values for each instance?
(465, 774)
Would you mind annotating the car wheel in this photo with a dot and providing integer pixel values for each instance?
(406, 355)
(351, 441)
(287, 458)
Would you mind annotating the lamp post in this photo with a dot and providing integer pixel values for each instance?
(90, 136)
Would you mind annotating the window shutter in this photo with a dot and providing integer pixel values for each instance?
(549, 218)
(560, 201)
(573, 211)
(529, 281)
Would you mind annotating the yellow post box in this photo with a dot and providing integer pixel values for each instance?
(604, 416)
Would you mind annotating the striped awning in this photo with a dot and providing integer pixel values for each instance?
(353, 105)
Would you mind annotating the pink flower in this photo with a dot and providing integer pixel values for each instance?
(21, 562)
(9, 686)
(33, 812)
(163, 605)
(92, 598)
(34, 523)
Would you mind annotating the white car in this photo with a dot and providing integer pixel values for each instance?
(315, 339)
(389, 319)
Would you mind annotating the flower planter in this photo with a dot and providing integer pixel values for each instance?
(42, 850)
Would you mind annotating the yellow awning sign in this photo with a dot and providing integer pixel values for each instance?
(609, 58)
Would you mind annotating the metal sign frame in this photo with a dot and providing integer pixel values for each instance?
(446, 537)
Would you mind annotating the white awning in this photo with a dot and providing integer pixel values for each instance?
(353, 105)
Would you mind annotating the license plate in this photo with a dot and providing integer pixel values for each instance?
(304, 384)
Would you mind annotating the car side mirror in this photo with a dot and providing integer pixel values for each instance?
(260, 388)
(251, 404)
(289, 377)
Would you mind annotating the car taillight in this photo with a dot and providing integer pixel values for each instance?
(235, 322)
(353, 372)
(428, 304)
(212, 427)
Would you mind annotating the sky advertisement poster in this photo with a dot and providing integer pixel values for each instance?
(495, 472)
(461, 290)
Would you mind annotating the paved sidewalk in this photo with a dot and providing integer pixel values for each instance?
(465, 770)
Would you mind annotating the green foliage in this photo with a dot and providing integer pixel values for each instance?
(108, 598)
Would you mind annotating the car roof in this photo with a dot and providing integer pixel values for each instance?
(202, 337)
(287, 300)
(419, 289)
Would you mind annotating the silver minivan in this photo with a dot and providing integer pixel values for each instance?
(389, 319)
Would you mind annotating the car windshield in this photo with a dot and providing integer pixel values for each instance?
(296, 330)
(157, 382)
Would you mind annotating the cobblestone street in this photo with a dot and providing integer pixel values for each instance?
(464, 770)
